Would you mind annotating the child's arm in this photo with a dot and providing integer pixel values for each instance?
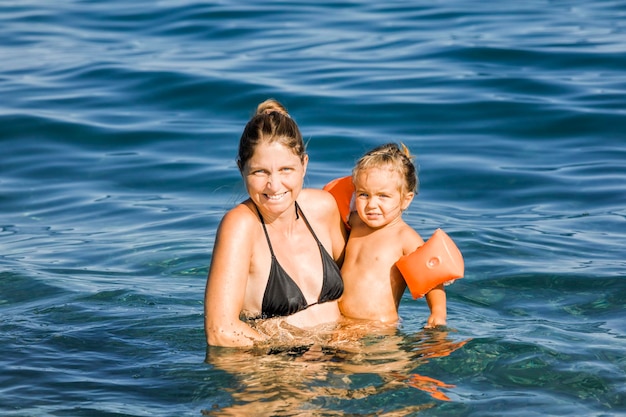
(436, 299)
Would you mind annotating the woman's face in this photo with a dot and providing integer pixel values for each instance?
(274, 177)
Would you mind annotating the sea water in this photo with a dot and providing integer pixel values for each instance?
(120, 123)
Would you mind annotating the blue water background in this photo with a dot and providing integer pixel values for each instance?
(120, 122)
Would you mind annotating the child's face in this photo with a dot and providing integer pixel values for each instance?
(379, 198)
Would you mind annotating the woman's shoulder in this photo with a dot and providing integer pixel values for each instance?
(319, 207)
(239, 218)
(317, 199)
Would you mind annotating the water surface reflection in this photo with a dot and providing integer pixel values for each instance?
(352, 369)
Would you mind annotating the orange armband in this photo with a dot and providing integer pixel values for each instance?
(435, 262)
(343, 190)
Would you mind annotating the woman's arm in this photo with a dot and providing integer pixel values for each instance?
(327, 213)
(339, 234)
(226, 284)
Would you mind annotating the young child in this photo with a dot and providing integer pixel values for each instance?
(386, 182)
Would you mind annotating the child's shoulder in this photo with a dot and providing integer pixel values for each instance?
(410, 239)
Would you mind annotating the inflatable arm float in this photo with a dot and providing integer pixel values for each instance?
(438, 261)
(343, 190)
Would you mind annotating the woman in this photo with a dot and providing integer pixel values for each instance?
(276, 253)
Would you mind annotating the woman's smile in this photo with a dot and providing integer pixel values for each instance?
(275, 197)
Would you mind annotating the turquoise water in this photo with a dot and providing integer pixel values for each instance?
(120, 122)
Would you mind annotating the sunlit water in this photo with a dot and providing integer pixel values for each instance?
(120, 122)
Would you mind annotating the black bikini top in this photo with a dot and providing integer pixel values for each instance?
(282, 295)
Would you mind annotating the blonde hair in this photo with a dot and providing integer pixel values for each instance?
(398, 158)
(271, 123)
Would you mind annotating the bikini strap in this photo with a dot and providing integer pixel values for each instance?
(308, 224)
(267, 236)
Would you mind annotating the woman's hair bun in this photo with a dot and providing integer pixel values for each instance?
(271, 105)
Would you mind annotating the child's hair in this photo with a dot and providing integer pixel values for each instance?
(271, 123)
(397, 158)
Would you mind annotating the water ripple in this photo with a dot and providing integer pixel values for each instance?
(120, 127)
